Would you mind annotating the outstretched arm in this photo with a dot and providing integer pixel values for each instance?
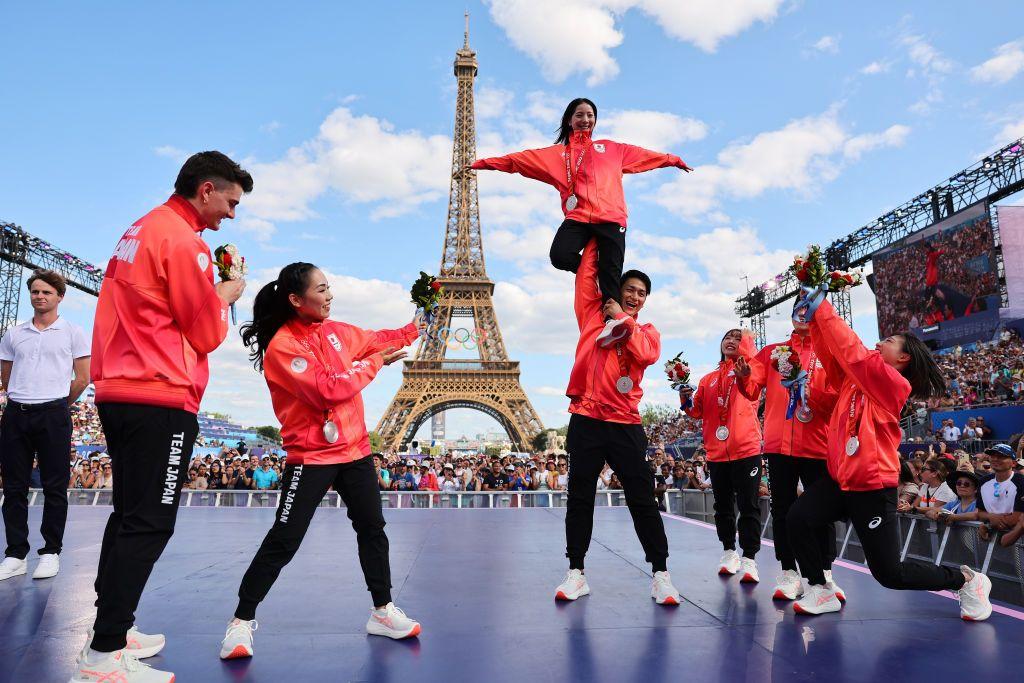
(637, 160)
(538, 164)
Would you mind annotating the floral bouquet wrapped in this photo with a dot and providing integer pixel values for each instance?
(678, 372)
(786, 362)
(426, 293)
(815, 281)
(230, 266)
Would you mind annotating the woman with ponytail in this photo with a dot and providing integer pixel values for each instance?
(732, 439)
(588, 176)
(315, 369)
(864, 466)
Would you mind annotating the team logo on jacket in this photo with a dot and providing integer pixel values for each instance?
(753, 472)
(299, 365)
(204, 261)
(875, 523)
(335, 342)
(599, 147)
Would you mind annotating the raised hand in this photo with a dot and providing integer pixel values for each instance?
(742, 367)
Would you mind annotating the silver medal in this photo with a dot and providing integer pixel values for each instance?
(330, 431)
(571, 202)
(804, 414)
(624, 385)
(852, 445)
(722, 433)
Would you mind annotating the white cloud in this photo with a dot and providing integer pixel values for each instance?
(362, 159)
(1012, 130)
(875, 68)
(799, 157)
(537, 28)
(925, 55)
(1007, 63)
(171, 152)
(270, 127)
(656, 130)
(827, 44)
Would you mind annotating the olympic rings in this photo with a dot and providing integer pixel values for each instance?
(459, 337)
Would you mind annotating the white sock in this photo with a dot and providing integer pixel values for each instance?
(95, 656)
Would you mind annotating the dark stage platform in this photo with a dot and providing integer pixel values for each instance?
(482, 584)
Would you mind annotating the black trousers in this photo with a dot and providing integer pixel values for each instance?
(302, 489)
(150, 448)
(735, 484)
(784, 472)
(572, 237)
(590, 443)
(873, 515)
(42, 432)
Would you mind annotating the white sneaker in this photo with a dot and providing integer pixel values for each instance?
(237, 641)
(974, 602)
(48, 566)
(117, 666)
(831, 584)
(730, 562)
(391, 622)
(138, 644)
(12, 566)
(662, 590)
(817, 600)
(749, 569)
(788, 586)
(614, 330)
(574, 586)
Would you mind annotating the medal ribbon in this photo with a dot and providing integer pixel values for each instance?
(319, 353)
(623, 365)
(723, 403)
(855, 414)
(569, 176)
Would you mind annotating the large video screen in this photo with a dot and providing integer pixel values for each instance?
(938, 276)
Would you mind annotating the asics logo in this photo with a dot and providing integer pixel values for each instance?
(875, 523)
(753, 472)
(384, 620)
(824, 598)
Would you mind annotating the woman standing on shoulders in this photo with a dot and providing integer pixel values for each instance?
(588, 176)
(732, 439)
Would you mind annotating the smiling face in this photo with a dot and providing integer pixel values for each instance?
(583, 117)
(892, 352)
(315, 303)
(633, 295)
(731, 343)
(218, 203)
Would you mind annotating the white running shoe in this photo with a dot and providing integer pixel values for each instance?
(730, 562)
(831, 584)
(237, 641)
(788, 586)
(749, 569)
(48, 566)
(391, 622)
(12, 566)
(974, 602)
(817, 600)
(116, 666)
(138, 644)
(614, 330)
(574, 586)
(662, 590)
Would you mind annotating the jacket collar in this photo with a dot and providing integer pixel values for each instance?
(183, 208)
(580, 137)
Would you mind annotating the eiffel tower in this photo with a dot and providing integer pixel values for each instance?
(432, 383)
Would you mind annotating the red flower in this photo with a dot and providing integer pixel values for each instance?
(225, 258)
(436, 286)
(835, 275)
(848, 278)
(801, 274)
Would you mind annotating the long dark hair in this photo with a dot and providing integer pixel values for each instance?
(922, 371)
(565, 129)
(271, 309)
(735, 329)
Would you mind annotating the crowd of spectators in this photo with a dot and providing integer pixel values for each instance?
(989, 373)
(907, 300)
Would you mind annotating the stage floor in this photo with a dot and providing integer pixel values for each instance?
(482, 583)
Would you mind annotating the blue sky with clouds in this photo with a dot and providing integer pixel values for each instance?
(803, 120)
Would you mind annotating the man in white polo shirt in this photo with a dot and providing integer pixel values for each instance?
(44, 367)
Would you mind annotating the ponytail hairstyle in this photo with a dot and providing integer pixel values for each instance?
(565, 129)
(271, 309)
(926, 380)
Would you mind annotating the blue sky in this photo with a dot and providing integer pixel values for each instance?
(803, 120)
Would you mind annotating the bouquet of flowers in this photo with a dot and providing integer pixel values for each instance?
(786, 362)
(678, 372)
(815, 281)
(230, 266)
(426, 293)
